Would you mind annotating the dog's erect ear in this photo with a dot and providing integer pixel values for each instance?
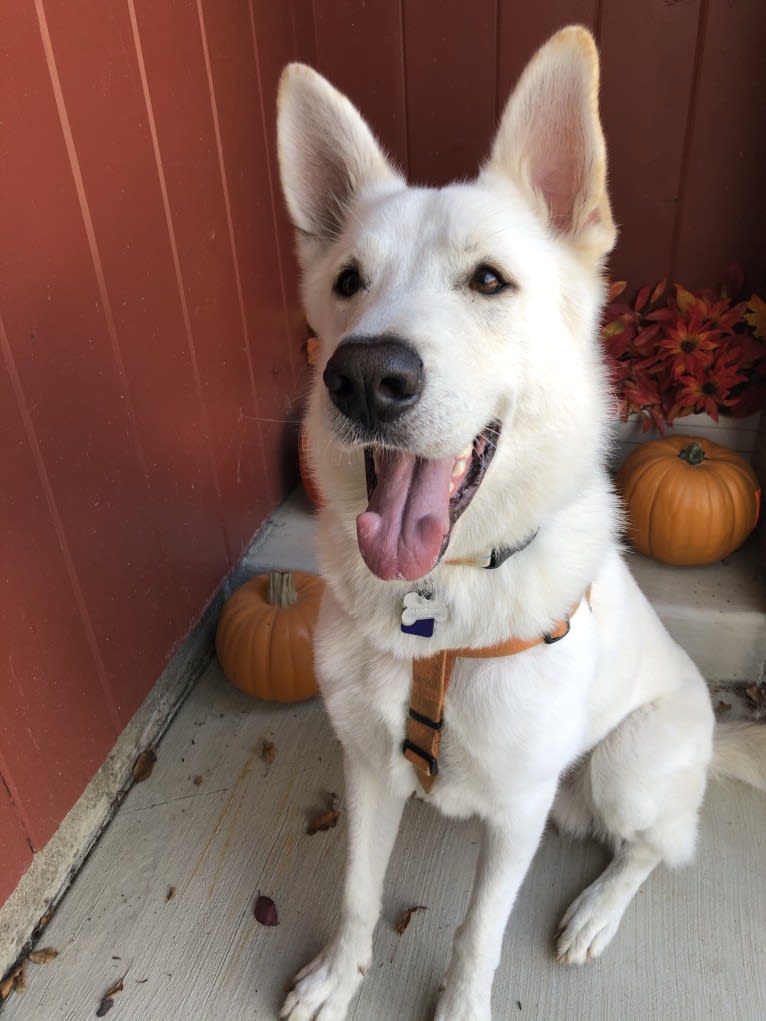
(551, 144)
(327, 154)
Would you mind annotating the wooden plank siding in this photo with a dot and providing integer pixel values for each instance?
(149, 361)
(374, 74)
(15, 850)
(683, 100)
(451, 86)
(654, 43)
(150, 327)
(722, 201)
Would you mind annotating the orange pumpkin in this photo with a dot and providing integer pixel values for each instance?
(688, 501)
(308, 477)
(265, 634)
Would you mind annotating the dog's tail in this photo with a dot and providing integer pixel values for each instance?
(739, 752)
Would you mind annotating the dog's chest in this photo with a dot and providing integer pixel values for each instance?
(509, 724)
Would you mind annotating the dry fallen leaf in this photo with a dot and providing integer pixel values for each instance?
(723, 707)
(269, 751)
(143, 766)
(171, 893)
(13, 983)
(107, 1000)
(312, 350)
(755, 693)
(117, 987)
(105, 1006)
(265, 911)
(325, 821)
(198, 780)
(43, 956)
(404, 921)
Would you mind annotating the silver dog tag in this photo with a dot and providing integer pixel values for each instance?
(420, 612)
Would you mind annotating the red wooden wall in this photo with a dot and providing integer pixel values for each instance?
(149, 357)
(683, 98)
(149, 327)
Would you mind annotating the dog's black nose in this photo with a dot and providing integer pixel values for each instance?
(373, 380)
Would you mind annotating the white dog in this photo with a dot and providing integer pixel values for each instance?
(458, 427)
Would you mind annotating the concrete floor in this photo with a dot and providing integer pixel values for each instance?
(691, 947)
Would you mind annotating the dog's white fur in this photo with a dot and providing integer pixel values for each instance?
(610, 729)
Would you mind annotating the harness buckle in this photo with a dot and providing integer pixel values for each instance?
(426, 720)
(430, 761)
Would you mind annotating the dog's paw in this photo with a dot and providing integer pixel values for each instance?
(323, 990)
(587, 927)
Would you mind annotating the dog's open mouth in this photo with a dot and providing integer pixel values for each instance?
(415, 502)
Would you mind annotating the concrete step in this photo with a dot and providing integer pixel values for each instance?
(717, 613)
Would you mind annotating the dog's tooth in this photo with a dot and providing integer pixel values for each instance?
(459, 468)
(452, 488)
(465, 454)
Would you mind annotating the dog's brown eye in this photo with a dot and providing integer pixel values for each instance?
(348, 282)
(487, 280)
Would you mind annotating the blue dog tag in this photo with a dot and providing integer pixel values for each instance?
(423, 628)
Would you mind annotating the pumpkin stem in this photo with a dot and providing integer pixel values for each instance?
(282, 591)
(693, 454)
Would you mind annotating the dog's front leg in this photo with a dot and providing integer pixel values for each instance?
(373, 811)
(508, 846)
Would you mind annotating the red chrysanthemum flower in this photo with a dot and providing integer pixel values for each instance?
(673, 352)
(711, 390)
(688, 346)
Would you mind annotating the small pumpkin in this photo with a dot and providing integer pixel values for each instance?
(308, 476)
(688, 501)
(264, 638)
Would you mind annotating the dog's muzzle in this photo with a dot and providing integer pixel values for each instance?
(413, 501)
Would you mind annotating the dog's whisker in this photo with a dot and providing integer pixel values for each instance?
(276, 421)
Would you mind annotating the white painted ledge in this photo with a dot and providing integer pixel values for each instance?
(717, 613)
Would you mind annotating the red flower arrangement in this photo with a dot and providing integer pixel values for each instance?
(672, 353)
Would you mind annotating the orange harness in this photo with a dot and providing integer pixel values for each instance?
(430, 679)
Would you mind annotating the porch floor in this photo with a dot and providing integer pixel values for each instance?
(216, 823)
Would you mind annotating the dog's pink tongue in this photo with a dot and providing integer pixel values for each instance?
(402, 531)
